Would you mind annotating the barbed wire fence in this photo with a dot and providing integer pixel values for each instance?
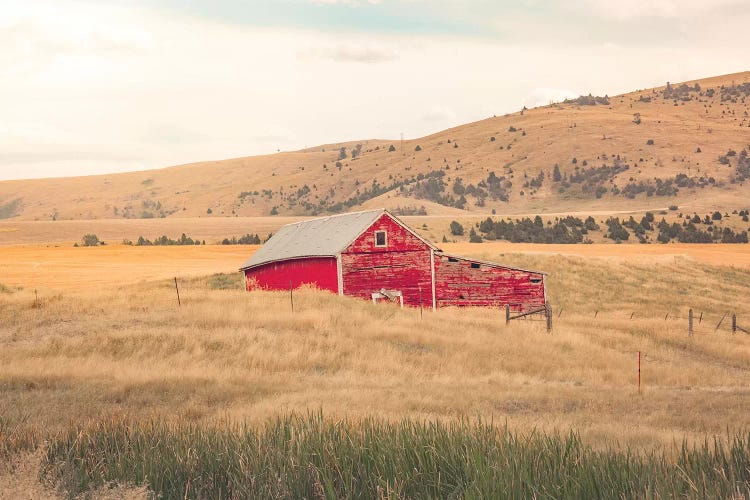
(696, 322)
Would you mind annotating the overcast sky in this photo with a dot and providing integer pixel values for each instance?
(96, 86)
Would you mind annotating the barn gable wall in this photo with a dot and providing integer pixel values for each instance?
(404, 264)
(399, 238)
(458, 284)
(318, 271)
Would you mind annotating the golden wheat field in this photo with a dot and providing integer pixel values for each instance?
(107, 337)
(95, 268)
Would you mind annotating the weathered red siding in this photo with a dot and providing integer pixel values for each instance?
(318, 271)
(458, 284)
(404, 264)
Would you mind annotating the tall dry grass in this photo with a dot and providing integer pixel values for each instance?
(230, 354)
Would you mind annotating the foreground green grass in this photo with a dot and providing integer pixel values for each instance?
(311, 457)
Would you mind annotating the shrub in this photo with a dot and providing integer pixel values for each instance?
(410, 210)
(474, 237)
(556, 176)
(391, 148)
(418, 148)
(164, 240)
(588, 100)
(615, 230)
(11, 209)
(91, 240)
(248, 239)
(650, 142)
(457, 229)
(222, 281)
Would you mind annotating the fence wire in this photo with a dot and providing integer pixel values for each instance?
(704, 323)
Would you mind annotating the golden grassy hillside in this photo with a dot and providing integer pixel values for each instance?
(691, 128)
(130, 350)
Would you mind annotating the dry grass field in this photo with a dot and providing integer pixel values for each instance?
(129, 349)
(67, 232)
(72, 269)
(107, 340)
(96, 268)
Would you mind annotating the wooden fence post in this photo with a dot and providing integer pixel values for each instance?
(690, 322)
(639, 371)
(507, 314)
(548, 312)
(734, 323)
(179, 304)
(720, 321)
(291, 295)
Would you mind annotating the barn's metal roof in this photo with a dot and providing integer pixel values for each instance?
(324, 237)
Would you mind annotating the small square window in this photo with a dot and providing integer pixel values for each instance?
(380, 239)
(452, 259)
(475, 265)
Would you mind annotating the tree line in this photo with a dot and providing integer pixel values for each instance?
(92, 240)
(571, 230)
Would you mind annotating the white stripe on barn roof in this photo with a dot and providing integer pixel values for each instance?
(324, 237)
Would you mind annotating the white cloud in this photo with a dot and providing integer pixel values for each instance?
(367, 53)
(102, 88)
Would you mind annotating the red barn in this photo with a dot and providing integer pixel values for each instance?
(374, 255)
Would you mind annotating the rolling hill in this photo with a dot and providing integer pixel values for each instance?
(681, 144)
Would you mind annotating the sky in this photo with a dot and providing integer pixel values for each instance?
(96, 86)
